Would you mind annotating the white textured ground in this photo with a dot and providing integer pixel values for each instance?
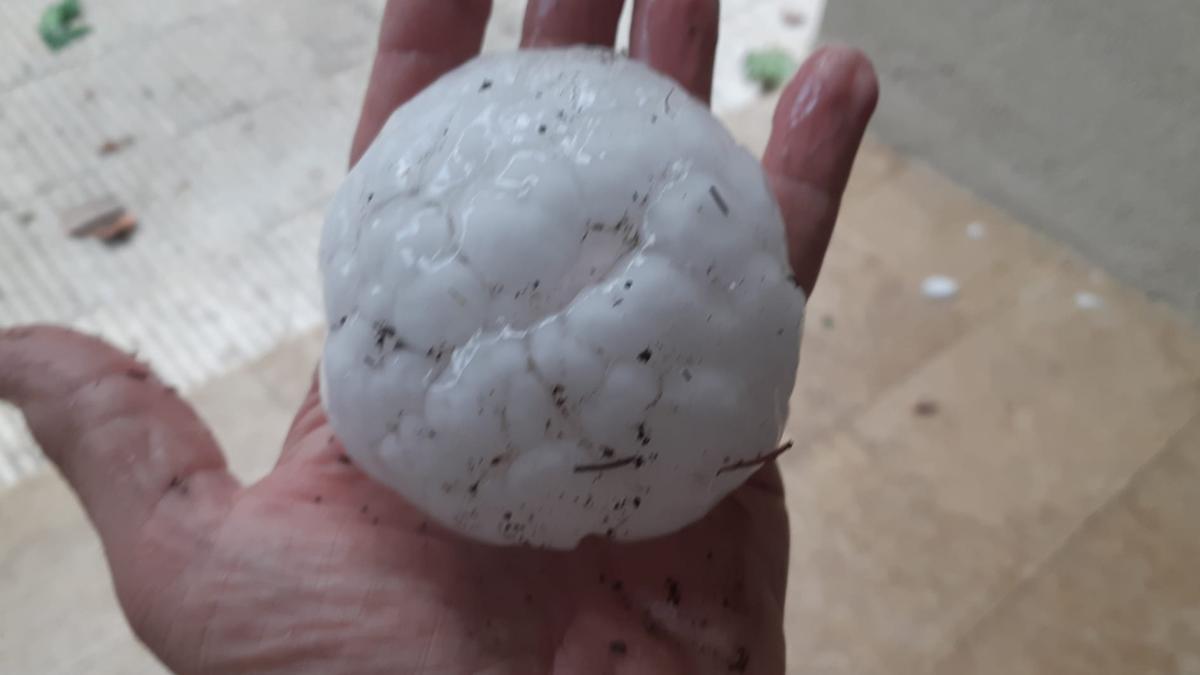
(236, 115)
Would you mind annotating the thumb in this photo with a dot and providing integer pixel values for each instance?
(147, 470)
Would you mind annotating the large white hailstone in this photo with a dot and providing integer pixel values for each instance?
(559, 303)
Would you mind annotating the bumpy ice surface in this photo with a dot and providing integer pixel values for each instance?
(559, 303)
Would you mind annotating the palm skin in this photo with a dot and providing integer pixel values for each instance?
(317, 569)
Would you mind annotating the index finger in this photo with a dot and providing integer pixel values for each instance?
(419, 41)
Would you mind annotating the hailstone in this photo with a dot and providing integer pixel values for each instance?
(559, 303)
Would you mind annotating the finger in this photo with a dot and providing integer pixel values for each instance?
(552, 23)
(133, 451)
(678, 38)
(310, 437)
(818, 126)
(419, 41)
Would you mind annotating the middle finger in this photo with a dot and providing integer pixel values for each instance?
(555, 23)
(679, 39)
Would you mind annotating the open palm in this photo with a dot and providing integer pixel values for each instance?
(317, 569)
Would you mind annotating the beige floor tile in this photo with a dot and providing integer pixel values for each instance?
(1123, 596)
(920, 224)
(1041, 411)
(869, 325)
(875, 164)
(751, 126)
(56, 598)
(881, 575)
(1036, 419)
(123, 655)
(865, 331)
(248, 420)
(287, 371)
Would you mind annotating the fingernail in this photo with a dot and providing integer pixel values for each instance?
(837, 79)
(835, 96)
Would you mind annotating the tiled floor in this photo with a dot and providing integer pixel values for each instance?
(1120, 595)
(969, 479)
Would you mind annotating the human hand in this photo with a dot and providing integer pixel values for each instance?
(317, 569)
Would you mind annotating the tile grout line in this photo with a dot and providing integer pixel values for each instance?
(1056, 551)
(844, 423)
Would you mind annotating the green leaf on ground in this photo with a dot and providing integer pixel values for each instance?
(770, 68)
(61, 25)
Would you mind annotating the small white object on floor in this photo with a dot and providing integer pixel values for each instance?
(976, 230)
(939, 287)
(1088, 300)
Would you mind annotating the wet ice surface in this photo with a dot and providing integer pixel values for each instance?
(559, 303)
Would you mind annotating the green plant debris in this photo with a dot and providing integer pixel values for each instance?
(61, 24)
(770, 68)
